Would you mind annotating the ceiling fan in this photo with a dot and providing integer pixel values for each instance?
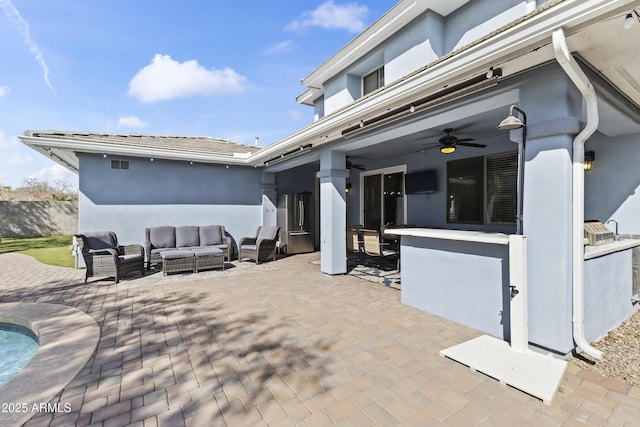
(354, 166)
(448, 143)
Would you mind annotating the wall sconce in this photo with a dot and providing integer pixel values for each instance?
(589, 157)
(348, 188)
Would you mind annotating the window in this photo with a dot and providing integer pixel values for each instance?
(483, 190)
(119, 164)
(373, 81)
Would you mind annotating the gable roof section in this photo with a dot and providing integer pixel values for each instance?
(61, 146)
(193, 144)
(384, 27)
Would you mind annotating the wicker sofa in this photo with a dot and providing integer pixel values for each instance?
(103, 255)
(163, 238)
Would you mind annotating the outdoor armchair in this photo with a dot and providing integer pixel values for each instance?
(104, 257)
(260, 247)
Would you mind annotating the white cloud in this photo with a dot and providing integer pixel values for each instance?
(23, 29)
(332, 16)
(131, 122)
(282, 47)
(166, 79)
(19, 159)
(4, 91)
(55, 173)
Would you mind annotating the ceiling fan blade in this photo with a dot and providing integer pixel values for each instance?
(463, 140)
(428, 147)
(471, 144)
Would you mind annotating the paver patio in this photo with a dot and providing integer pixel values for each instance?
(284, 345)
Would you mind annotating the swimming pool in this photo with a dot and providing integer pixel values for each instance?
(17, 346)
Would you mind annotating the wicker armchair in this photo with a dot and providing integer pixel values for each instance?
(260, 247)
(104, 257)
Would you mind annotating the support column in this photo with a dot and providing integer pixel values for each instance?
(269, 200)
(333, 212)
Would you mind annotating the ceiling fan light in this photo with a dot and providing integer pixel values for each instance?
(447, 149)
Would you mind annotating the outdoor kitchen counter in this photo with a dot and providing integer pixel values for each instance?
(459, 275)
(610, 283)
(460, 235)
(609, 248)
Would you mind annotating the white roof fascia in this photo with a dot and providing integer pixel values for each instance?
(309, 96)
(102, 148)
(524, 36)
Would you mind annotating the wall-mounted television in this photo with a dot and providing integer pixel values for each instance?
(425, 182)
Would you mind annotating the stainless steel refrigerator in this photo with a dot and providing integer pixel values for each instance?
(295, 219)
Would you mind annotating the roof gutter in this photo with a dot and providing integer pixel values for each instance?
(45, 144)
(577, 76)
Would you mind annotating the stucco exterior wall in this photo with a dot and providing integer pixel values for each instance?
(418, 44)
(607, 288)
(461, 281)
(167, 193)
(612, 187)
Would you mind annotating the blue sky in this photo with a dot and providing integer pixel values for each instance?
(220, 68)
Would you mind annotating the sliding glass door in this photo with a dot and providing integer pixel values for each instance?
(382, 197)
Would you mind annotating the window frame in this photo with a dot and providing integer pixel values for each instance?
(117, 164)
(382, 172)
(483, 220)
(379, 72)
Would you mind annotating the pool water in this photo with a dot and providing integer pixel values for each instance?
(17, 347)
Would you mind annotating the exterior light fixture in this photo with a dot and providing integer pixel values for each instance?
(361, 123)
(104, 156)
(447, 149)
(629, 20)
(348, 188)
(412, 109)
(494, 72)
(589, 157)
(512, 122)
(151, 159)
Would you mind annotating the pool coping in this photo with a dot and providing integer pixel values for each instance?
(68, 338)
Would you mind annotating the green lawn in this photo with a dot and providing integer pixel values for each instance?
(52, 250)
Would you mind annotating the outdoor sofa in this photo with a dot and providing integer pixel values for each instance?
(188, 237)
(104, 257)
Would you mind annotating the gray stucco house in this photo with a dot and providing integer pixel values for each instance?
(383, 103)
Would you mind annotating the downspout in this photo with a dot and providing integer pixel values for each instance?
(577, 76)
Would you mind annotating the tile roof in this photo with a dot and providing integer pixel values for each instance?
(187, 144)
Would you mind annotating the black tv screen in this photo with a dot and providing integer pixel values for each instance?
(424, 182)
